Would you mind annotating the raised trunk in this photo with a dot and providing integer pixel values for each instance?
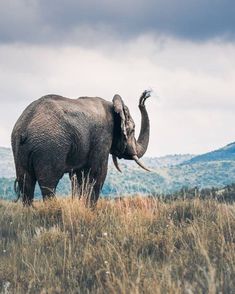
(143, 140)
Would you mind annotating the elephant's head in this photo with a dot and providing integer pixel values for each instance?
(125, 144)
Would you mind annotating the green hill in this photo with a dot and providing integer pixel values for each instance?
(170, 174)
(222, 154)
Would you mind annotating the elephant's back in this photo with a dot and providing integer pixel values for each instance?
(54, 121)
(50, 123)
(55, 128)
(63, 108)
(41, 123)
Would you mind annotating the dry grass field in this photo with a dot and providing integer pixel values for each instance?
(134, 245)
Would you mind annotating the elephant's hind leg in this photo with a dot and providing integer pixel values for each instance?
(27, 183)
(48, 185)
(47, 188)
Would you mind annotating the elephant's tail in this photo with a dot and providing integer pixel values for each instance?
(17, 190)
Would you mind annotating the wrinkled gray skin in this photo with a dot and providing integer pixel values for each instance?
(57, 135)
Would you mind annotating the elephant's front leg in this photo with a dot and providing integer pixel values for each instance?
(99, 179)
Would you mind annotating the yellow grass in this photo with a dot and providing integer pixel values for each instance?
(136, 245)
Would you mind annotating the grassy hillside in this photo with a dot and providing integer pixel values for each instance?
(170, 174)
(225, 153)
(135, 245)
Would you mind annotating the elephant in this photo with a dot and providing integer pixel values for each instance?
(56, 135)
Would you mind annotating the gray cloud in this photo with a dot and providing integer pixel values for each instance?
(192, 109)
(42, 21)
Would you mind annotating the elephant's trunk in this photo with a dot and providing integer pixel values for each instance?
(143, 139)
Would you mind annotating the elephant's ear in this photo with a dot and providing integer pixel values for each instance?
(119, 108)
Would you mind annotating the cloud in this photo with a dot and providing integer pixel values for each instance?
(183, 49)
(58, 21)
(192, 109)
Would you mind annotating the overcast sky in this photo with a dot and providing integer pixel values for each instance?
(184, 50)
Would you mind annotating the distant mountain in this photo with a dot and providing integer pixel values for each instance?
(169, 174)
(167, 160)
(222, 154)
(7, 169)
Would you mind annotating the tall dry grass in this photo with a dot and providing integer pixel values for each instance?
(135, 245)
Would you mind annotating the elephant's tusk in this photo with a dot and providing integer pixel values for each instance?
(116, 163)
(136, 159)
